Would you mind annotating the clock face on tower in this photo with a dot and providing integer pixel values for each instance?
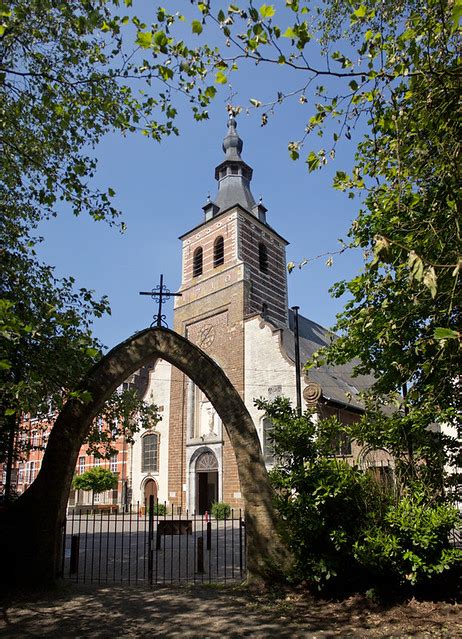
(206, 336)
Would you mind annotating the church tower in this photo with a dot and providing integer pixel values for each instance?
(234, 267)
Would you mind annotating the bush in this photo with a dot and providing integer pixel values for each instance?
(326, 506)
(221, 510)
(412, 544)
(160, 509)
(346, 529)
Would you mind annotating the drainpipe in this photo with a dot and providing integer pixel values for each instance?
(297, 361)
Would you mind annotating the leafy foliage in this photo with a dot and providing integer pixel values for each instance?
(123, 415)
(221, 510)
(97, 479)
(324, 502)
(411, 545)
(391, 69)
(67, 77)
(160, 509)
(45, 336)
(345, 528)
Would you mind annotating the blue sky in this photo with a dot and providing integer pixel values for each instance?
(161, 188)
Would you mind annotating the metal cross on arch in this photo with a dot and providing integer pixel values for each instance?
(160, 293)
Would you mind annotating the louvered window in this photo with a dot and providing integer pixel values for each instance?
(263, 257)
(218, 252)
(197, 262)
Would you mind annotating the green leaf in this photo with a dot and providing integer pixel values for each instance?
(456, 14)
(267, 11)
(144, 39)
(289, 33)
(429, 280)
(445, 333)
(360, 11)
(210, 92)
(220, 77)
(160, 39)
(312, 161)
(256, 103)
(196, 27)
(416, 265)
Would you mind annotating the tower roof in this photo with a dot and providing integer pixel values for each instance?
(234, 177)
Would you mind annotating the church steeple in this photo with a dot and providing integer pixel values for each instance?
(234, 177)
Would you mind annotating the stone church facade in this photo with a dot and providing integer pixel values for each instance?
(234, 306)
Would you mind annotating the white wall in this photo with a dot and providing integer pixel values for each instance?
(268, 373)
(158, 392)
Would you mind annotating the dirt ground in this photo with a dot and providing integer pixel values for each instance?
(201, 612)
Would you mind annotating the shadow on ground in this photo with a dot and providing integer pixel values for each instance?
(121, 611)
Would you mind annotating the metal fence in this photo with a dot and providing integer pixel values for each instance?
(141, 546)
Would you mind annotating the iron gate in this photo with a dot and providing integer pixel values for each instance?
(142, 546)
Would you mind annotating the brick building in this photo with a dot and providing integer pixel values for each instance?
(33, 436)
(234, 306)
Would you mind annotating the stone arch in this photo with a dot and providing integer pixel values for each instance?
(39, 514)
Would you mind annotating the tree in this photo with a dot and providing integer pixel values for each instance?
(392, 67)
(97, 479)
(125, 414)
(68, 76)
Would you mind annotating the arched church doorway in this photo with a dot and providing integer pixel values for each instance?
(206, 482)
(150, 490)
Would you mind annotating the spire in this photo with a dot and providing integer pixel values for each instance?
(233, 176)
(232, 144)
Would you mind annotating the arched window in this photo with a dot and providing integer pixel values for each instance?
(150, 453)
(218, 251)
(197, 262)
(263, 257)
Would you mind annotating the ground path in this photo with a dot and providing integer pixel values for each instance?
(200, 612)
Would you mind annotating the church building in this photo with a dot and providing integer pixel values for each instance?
(234, 306)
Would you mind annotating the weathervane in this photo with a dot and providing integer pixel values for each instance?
(160, 293)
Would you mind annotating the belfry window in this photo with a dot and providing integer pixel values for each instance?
(197, 262)
(263, 257)
(150, 453)
(218, 251)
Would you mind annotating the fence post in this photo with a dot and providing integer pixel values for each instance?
(209, 535)
(74, 562)
(240, 544)
(200, 554)
(150, 537)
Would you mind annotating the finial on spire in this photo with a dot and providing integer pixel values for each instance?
(232, 144)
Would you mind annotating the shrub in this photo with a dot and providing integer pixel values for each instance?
(326, 504)
(412, 544)
(160, 509)
(221, 510)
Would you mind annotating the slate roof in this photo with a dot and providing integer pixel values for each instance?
(336, 381)
(234, 188)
